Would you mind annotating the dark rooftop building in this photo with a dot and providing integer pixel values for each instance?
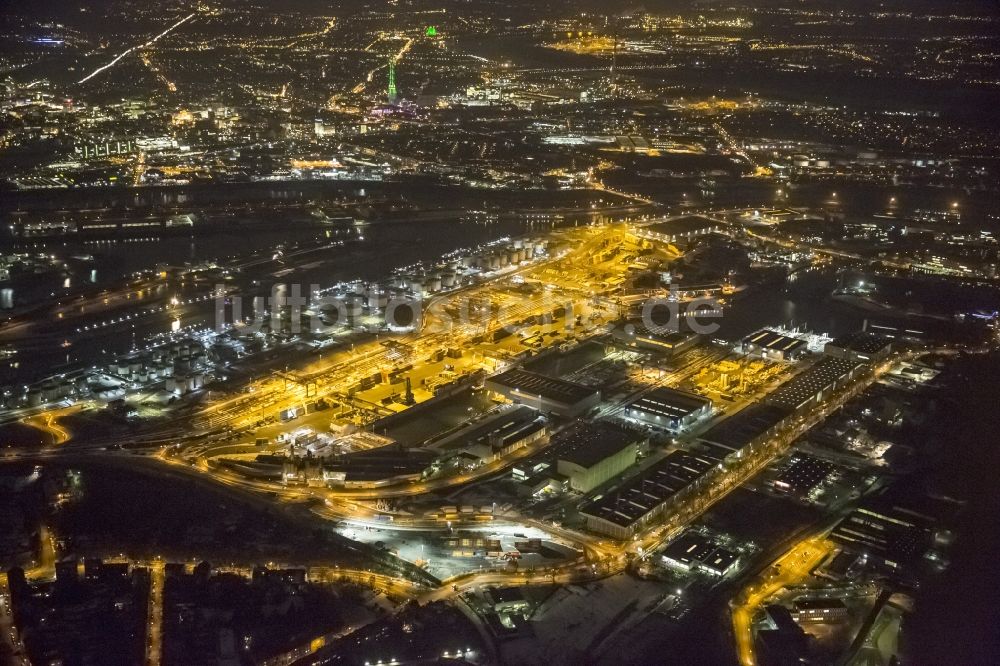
(861, 347)
(680, 228)
(687, 550)
(693, 551)
(891, 533)
(592, 453)
(543, 393)
(743, 429)
(665, 341)
(774, 345)
(669, 408)
(813, 385)
(803, 474)
(720, 562)
(497, 436)
(819, 609)
(785, 645)
(379, 466)
(622, 511)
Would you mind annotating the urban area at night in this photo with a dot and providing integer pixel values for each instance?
(499, 332)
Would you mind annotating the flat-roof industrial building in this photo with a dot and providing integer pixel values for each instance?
(775, 346)
(812, 386)
(680, 228)
(819, 609)
(592, 453)
(742, 430)
(886, 532)
(378, 467)
(497, 436)
(803, 474)
(545, 394)
(669, 408)
(687, 550)
(623, 511)
(666, 341)
(860, 346)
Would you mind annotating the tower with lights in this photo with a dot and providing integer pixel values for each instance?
(391, 91)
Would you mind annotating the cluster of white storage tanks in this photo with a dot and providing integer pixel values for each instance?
(175, 363)
(160, 362)
(422, 284)
(518, 251)
(53, 390)
(184, 383)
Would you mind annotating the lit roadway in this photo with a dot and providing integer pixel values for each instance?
(9, 641)
(789, 569)
(154, 633)
(48, 423)
(138, 47)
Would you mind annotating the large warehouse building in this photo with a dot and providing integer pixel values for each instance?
(669, 408)
(680, 229)
(775, 346)
(546, 394)
(495, 437)
(814, 385)
(589, 454)
(743, 430)
(623, 511)
(636, 334)
(861, 347)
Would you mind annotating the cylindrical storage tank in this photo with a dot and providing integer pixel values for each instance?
(518, 243)
(504, 259)
(34, 398)
(494, 262)
(377, 299)
(447, 280)
(433, 283)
